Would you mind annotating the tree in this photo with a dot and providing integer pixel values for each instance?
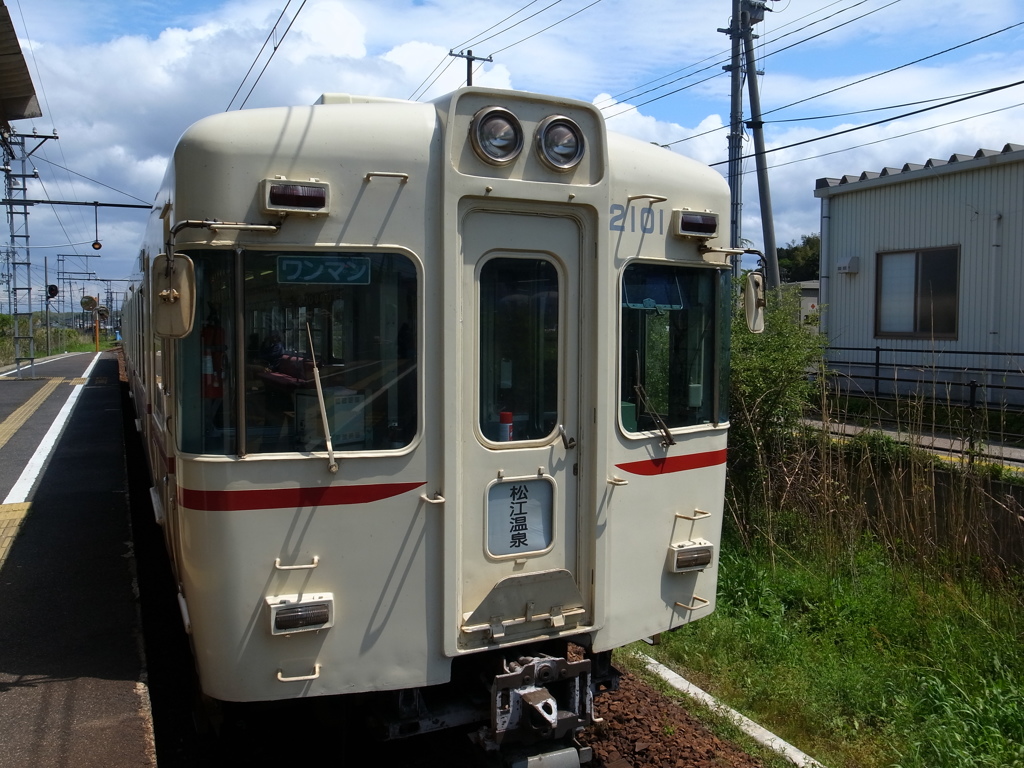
(800, 261)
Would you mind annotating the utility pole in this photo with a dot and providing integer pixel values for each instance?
(470, 58)
(735, 168)
(745, 14)
(19, 291)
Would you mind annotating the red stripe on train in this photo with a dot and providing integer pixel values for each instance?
(290, 498)
(674, 463)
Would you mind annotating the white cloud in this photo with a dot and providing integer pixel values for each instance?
(122, 79)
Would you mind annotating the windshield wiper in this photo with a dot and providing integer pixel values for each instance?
(659, 422)
(332, 465)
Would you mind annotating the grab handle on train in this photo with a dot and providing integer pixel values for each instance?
(299, 678)
(437, 498)
(696, 599)
(314, 564)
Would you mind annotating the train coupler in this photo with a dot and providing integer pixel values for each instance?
(538, 698)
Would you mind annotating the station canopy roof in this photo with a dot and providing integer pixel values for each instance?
(17, 94)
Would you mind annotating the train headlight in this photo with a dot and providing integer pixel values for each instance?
(690, 556)
(300, 613)
(496, 135)
(560, 142)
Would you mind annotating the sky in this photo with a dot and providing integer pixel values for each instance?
(120, 80)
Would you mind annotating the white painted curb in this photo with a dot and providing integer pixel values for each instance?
(748, 726)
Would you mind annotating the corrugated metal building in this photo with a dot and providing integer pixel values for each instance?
(922, 275)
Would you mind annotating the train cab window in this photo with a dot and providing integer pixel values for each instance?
(206, 388)
(519, 348)
(675, 341)
(355, 315)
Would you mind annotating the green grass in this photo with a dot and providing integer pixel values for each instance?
(61, 340)
(869, 666)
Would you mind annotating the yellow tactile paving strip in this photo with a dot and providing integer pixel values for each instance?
(11, 516)
(16, 420)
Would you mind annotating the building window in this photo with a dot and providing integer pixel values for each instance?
(916, 294)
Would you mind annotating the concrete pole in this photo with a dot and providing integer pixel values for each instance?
(763, 188)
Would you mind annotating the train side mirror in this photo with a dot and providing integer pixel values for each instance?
(174, 295)
(753, 301)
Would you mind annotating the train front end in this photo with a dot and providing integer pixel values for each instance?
(447, 423)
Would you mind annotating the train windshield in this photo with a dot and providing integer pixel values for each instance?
(675, 345)
(351, 315)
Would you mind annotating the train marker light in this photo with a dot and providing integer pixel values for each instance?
(284, 196)
(496, 135)
(694, 224)
(690, 556)
(560, 142)
(300, 613)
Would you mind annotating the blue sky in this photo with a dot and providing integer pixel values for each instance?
(120, 80)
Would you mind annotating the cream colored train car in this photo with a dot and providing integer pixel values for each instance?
(432, 391)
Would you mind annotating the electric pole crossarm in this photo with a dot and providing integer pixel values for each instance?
(470, 58)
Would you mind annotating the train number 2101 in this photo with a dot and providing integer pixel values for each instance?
(623, 217)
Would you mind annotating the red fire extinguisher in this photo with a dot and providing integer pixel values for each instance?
(212, 345)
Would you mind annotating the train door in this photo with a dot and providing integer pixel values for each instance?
(520, 550)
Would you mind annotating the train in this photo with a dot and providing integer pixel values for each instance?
(434, 400)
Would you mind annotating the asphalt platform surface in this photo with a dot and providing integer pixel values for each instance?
(72, 670)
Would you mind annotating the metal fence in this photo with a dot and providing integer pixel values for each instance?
(891, 371)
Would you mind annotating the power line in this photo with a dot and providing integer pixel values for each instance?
(462, 45)
(513, 26)
(893, 69)
(272, 53)
(886, 120)
(270, 35)
(473, 40)
(560, 21)
(829, 117)
(770, 53)
(723, 56)
(897, 136)
(477, 40)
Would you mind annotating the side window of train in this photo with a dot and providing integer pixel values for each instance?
(674, 346)
(206, 386)
(519, 349)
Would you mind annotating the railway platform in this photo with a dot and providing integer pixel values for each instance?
(72, 671)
